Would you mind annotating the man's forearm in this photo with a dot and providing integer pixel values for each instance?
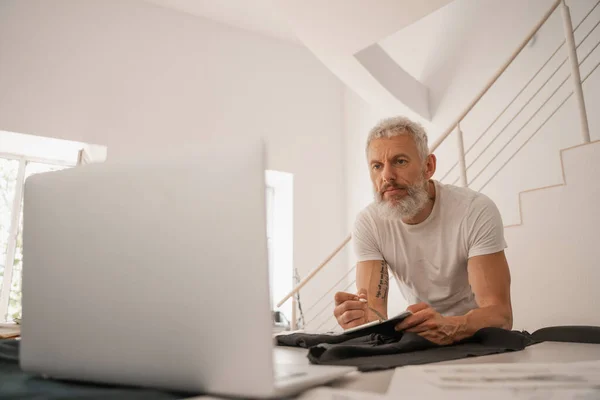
(376, 315)
(372, 279)
(491, 316)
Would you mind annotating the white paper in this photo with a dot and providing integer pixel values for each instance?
(502, 376)
(328, 393)
(578, 381)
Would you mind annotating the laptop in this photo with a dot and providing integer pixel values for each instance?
(154, 273)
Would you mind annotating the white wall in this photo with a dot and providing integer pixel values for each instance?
(555, 281)
(138, 78)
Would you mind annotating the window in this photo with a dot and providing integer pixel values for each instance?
(27, 155)
(270, 200)
(279, 202)
(8, 186)
(12, 237)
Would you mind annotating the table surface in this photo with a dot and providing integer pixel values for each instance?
(379, 381)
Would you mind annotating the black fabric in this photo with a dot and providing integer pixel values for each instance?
(15, 384)
(378, 351)
(308, 340)
(572, 334)
(369, 352)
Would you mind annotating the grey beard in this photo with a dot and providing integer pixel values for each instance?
(414, 201)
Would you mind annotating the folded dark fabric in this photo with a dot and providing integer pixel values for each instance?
(308, 340)
(376, 351)
(16, 384)
(572, 334)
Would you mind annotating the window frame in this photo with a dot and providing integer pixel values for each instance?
(282, 236)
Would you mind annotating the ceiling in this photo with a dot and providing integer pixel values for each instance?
(345, 36)
(398, 55)
(335, 31)
(254, 15)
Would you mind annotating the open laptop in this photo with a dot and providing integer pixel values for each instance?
(155, 274)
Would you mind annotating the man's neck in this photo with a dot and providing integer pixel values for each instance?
(426, 211)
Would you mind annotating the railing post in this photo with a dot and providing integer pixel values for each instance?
(294, 324)
(575, 76)
(461, 157)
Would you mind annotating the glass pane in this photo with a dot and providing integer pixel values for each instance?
(270, 210)
(14, 299)
(14, 302)
(8, 181)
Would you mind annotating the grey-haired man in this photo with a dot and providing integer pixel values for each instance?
(444, 244)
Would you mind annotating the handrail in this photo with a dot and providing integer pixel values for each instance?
(314, 271)
(500, 71)
(527, 85)
(329, 291)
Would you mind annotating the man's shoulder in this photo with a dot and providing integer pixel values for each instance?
(465, 198)
(457, 192)
(462, 195)
(368, 213)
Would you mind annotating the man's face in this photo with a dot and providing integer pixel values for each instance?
(399, 175)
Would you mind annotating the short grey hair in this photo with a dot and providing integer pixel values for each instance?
(395, 126)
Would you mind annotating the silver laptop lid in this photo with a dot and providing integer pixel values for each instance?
(150, 273)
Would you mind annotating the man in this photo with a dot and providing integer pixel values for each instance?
(444, 244)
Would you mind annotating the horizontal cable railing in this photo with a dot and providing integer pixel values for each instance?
(331, 294)
(536, 131)
(323, 306)
(512, 101)
(529, 100)
(331, 303)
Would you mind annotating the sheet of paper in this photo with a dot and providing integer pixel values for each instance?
(578, 381)
(546, 375)
(328, 393)
(205, 398)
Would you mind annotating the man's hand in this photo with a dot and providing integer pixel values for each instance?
(431, 325)
(349, 310)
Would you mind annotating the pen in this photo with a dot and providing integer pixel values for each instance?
(381, 318)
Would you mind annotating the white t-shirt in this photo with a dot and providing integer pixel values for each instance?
(429, 260)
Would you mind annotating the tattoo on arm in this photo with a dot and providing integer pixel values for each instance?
(384, 281)
(381, 317)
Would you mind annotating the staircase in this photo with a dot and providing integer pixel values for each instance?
(554, 253)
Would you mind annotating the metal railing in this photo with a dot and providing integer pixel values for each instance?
(463, 167)
(585, 130)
